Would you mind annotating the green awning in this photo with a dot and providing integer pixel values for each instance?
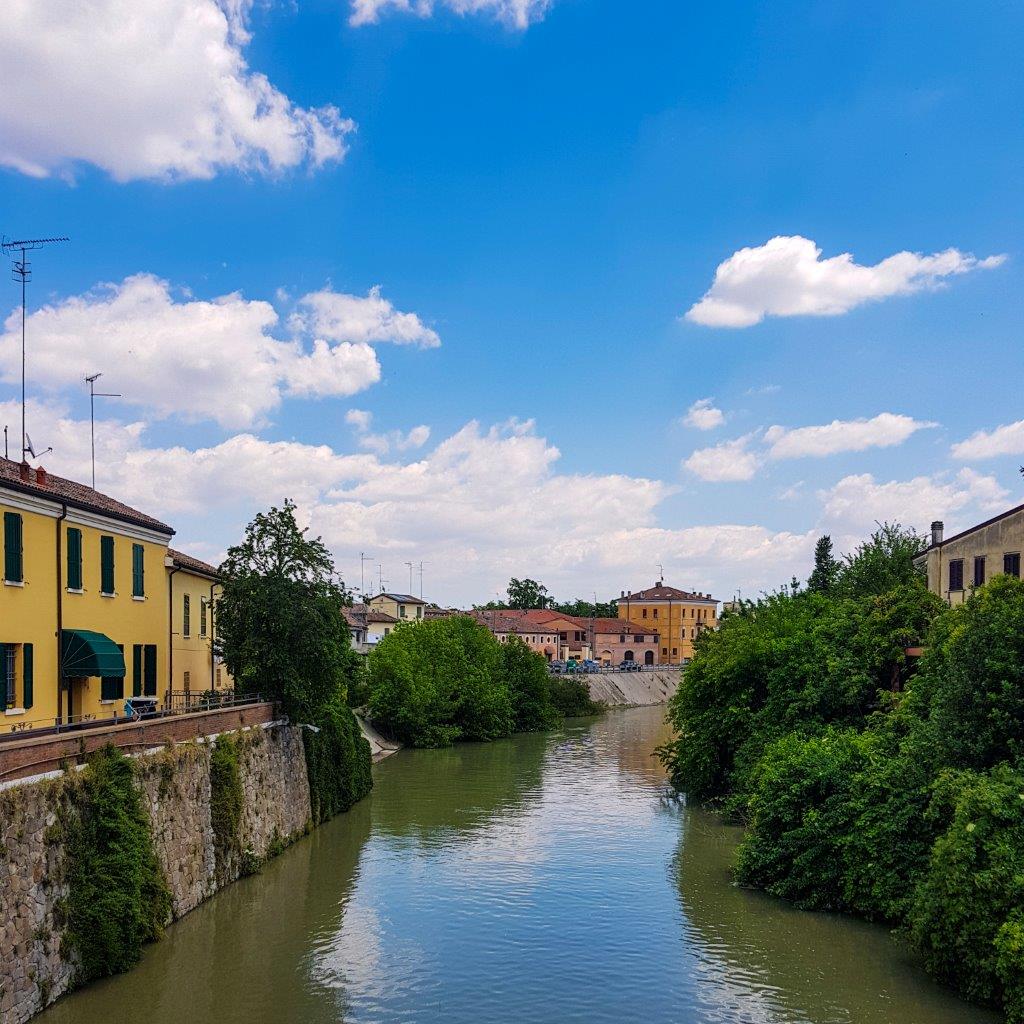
(85, 653)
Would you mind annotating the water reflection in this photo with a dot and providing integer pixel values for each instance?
(541, 879)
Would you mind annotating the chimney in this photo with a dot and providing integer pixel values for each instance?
(937, 532)
(623, 594)
(23, 472)
(40, 476)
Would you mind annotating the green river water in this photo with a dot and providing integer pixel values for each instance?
(551, 878)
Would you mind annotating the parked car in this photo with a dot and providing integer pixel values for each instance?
(589, 665)
(556, 666)
(629, 666)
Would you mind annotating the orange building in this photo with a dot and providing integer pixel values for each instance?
(677, 615)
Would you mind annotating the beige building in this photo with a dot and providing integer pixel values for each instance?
(968, 559)
(194, 587)
(403, 607)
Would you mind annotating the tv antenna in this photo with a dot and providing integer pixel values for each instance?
(363, 559)
(21, 270)
(420, 571)
(409, 564)
(93, 395)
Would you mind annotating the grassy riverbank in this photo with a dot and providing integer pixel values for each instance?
(866, 785)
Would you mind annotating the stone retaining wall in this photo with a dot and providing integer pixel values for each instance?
(175, 785)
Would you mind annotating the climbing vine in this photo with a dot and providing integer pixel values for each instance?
(337, 762)
(117, 898)
(226, 799)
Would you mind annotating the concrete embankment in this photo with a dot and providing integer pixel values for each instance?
(633, 689)
(379, 747)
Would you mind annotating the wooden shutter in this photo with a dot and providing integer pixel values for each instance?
(74, 578)
(27, 673)
(112, 687)
(13, 567)
(107, 565)
(137, 670)
(138, 571)
(150, 675)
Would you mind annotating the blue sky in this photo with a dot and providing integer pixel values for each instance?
(545, 188)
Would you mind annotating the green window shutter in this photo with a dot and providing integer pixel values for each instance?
(107, 565)
(112, 688)
(137, 670)
(13, 567)
(138, 571)
(150, 676)
(202, 616)
(186, 616)
(74, 581)
(27, 672)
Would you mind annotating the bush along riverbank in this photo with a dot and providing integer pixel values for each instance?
(433, 683)
(866, 786)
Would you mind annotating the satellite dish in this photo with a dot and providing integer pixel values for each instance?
(30, 449)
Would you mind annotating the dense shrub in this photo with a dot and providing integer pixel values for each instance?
(226, 799)
(571, 698)
(117, 897)
(529, 687)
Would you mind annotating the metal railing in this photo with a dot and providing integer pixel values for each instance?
(582, 670)
(197, 702)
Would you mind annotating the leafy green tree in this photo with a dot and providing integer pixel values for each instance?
(826, 568)
(280, 628)
(527, 594)
(571, 698)
(587, 609)
(529, 686)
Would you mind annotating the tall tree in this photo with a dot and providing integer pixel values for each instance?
(826, 568)
(527, 594)
(280, 627)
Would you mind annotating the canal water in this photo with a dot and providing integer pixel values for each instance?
(550, 878)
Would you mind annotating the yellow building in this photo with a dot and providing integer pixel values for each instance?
(86, 618)
(403, 607)
(193, 589)
(677, 615)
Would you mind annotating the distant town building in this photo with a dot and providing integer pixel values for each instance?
(957, 564)
(677, 615)
(403, 607)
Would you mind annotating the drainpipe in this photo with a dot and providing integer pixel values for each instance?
(211, 634)
(170, 629)
(60, 615)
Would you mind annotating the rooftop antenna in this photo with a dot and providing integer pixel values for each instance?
(93, 395)
(21, 270)
(420, 571)
(661, 572)
(363, 559)
(380, 574)
(410, 577)
(31, 450)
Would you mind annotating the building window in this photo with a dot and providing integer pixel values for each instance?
(10, 667)
(956, 574)
(419, 612)
(979, 571)
(188, 680)
(13, 562)
(74, 580)
(202, 617)
(137, 670)
(107, 565)
(218, 677)
(138, 571)
(401, 611)
(643, 613)
(149, 676)
(675, 652)
(638, 639)
(186, 616)
(1011, 564)
(112, 688)
(655, 613)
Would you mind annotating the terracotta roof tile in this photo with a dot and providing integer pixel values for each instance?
(659, 592)
(193, 564)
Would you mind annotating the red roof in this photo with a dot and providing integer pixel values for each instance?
(659, 592)
(23, 477)
(192, 564)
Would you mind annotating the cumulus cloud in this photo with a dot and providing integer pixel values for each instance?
(371, 318)
(1007, 439)
(361, 420)
(787, 277)
(480, 506)
(703, 415)
(201, 360)
(882, 431)
(518, 14)
(727, 462)
(148, 89)
(857, 502)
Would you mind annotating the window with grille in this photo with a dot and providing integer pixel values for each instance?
(1011, 563)
(186, 616)
(10, 674)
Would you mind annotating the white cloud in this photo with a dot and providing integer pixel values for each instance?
(857, 502)
(202, 360)
(1007, 439)
(882, 431)
(518, 14)
(148, 89)
(362, 420)
(484, 504)
(729, 461)
(703, 415)
(787, 277)
(371, 318)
